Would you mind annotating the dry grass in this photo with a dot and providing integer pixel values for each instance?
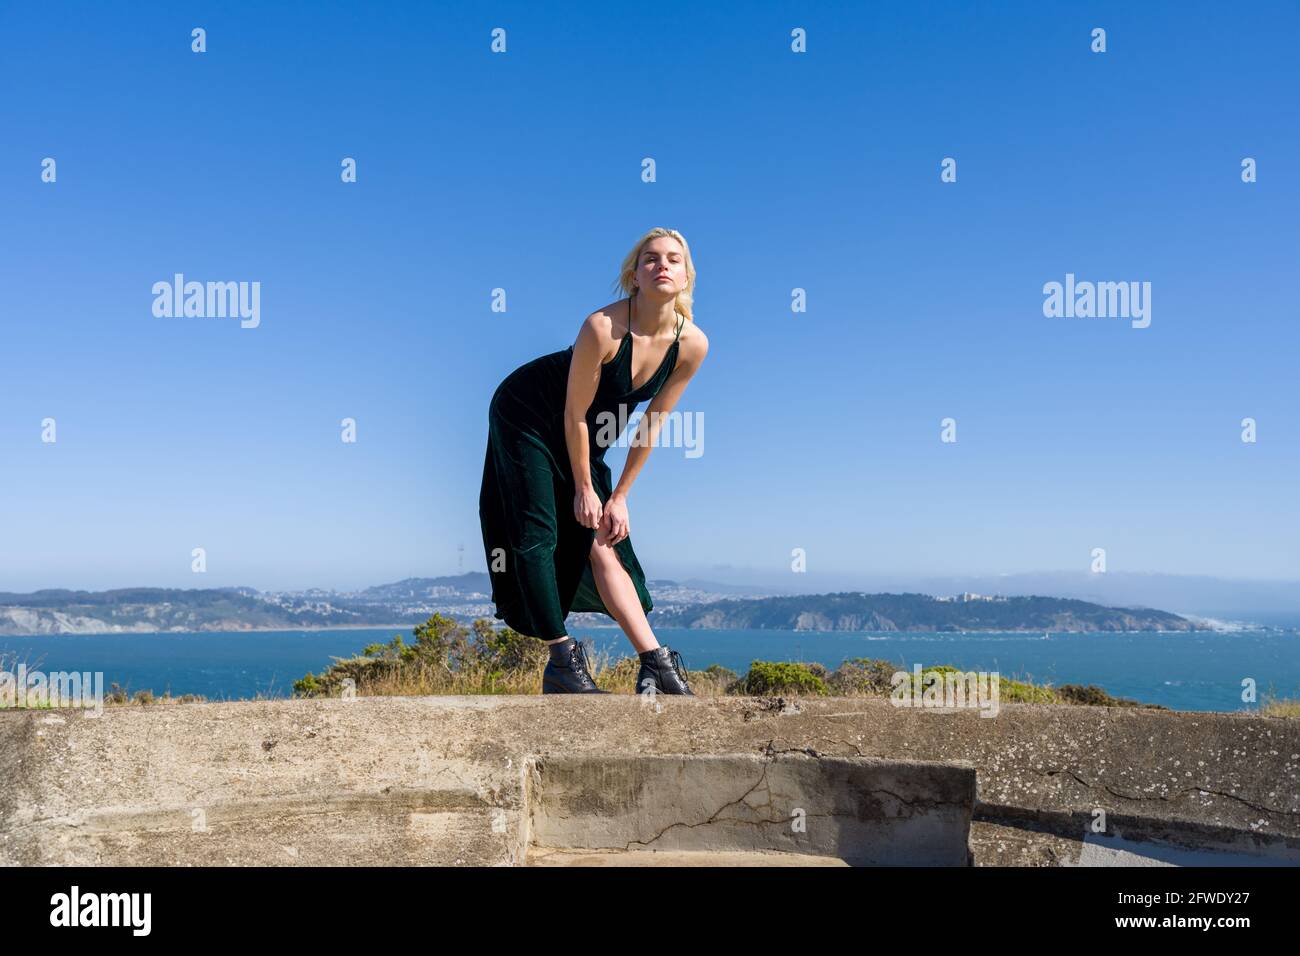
(1280, 707)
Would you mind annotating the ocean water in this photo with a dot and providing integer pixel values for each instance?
(1184, 671)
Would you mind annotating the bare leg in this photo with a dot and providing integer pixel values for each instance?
(619, 594)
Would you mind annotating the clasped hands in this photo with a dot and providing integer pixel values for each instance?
(610, 520)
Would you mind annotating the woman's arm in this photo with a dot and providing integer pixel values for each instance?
(689, 360)
(584, 377)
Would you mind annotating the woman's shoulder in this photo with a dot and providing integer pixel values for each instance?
(602, 328)
(695, 344)
(609, 319)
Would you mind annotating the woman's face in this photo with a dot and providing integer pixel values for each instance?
(661, 270)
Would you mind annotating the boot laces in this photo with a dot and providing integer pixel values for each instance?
(678, 664)
(580, 661)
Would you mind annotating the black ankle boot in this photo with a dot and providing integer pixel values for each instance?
(663, 668)
(566, 672)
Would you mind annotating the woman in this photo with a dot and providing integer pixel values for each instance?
(546, 447)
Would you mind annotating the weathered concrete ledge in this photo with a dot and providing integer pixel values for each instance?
(610, 780)
(858, 811)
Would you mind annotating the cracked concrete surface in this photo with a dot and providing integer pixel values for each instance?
(862, 811)
(445, 780)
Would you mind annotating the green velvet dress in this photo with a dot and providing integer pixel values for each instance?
(537, 552)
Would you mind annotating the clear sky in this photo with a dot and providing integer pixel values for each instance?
(818, 171)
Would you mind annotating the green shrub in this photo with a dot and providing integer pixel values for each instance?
(781, 677)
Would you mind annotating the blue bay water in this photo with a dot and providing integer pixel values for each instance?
(1185, 671)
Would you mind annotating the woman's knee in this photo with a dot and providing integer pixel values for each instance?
(602, 555)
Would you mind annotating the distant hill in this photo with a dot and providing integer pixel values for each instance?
(466, 596)
(161, 609)
(856, 611)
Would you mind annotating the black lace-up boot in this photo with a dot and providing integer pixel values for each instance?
(663, 667)
(567, 671)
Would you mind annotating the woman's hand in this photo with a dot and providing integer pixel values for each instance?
(615, 522)
(586, 507)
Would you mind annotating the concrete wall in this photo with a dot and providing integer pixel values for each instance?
(445, 780)
(863, 811)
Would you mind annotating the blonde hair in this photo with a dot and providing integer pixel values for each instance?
(628, 270)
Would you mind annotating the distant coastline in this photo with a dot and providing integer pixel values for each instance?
(218, 630)
(466, 598)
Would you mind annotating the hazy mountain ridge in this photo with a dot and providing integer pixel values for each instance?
(858, 611)
(1245, 601)
(158, 609)
(466, 596)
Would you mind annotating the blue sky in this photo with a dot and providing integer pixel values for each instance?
(522, 171)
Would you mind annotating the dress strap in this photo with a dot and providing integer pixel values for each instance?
(681, 320)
